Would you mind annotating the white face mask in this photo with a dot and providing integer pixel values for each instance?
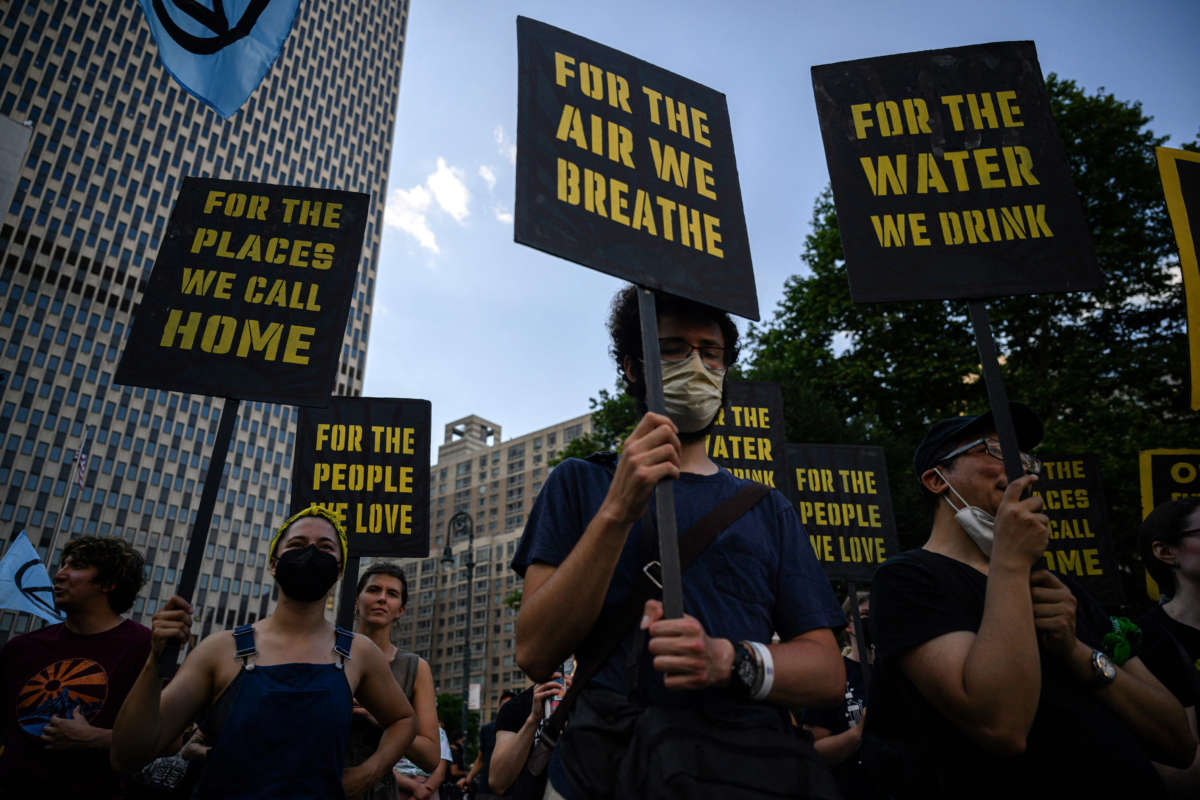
(691, 392)
(978, 524)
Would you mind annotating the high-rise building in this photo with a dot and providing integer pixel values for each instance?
(111, 135)
(495, 482)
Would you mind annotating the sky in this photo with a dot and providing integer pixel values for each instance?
(477, 324)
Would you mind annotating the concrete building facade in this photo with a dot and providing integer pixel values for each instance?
(111, 137)
(495, 482)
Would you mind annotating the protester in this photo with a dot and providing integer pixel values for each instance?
(1170, 545)
(477, 776)
(283, 729)
(585, 548)
(64, 683)
(837, 732)
(516, 725)
(382, 596)
(990, 681)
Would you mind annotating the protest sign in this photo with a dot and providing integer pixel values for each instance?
(841, 494)
(367, 458)
(749, 436)
(949, 177)
(1180, 172)
(1080, 533)
(628, 169)
(1166, 474)
(249, 294)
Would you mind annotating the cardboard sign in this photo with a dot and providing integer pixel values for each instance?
(1080, 532)
(1180, 172)
(949, 178)
(841, 493)
(249, 293)
(368, 459)
(749, 437)
(628, 169)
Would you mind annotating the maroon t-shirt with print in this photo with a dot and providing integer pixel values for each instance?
(53, 672)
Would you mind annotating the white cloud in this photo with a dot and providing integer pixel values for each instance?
(406, 210)
(489, 177)
(498, 134)
(448, 189)
(504, 216)
(505, 145)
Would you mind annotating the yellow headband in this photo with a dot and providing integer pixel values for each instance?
(314, 510)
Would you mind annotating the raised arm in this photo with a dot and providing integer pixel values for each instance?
(151, 717)
(560, 604)
(379, 693)
(987, 684)
(512, 747)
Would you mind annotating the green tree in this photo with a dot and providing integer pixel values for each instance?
(1106, 370)
(449, 708)
(613, 419)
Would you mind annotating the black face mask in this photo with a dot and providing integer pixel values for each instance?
(306, 573)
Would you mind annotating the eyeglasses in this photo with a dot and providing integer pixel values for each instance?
(992, 448)
(675, 349)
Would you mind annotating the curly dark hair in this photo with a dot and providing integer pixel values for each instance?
(625, 330)
(385, 568)
(1164, 524)
(117, 565)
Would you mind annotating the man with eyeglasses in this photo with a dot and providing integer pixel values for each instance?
(715, 670)
(991, 679)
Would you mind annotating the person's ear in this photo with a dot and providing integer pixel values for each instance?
(630, 368)
(1165, 553)
(933, 480)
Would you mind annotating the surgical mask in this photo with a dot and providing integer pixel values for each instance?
(978, 524)
(306, 573)
(691, 393)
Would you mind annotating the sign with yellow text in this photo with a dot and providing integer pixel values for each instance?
(1180, 172)
(841, 493)
(749, 437)
(1168, 474)
(628, 169)
(249, 293)
(1080, 533)
(368, 459)
(949, 177)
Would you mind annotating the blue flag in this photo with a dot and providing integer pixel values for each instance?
(24, 583)
(221, 50)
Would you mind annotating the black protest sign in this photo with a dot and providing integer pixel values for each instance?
(949, 177)
(1080, 533)
(841, 493)
(1180, 172)
(367, 458)
(749, 436)
(628, 169)
(249, 293)
(1170, 474)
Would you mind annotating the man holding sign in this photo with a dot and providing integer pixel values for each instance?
(588, 545)
(991, 680)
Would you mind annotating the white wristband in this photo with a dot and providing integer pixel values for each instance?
(768, 666)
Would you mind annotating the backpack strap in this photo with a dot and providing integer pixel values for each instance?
(342, 639)
(243, 641)
(606, 635)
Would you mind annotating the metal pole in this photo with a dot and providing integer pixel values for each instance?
(997, 394)
(864, 653)
(72, 480)
(347, 597)
(664, 493)
(470, 565)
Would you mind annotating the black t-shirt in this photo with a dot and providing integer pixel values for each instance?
(1076, 747)
(487, 743)
(1162, 637)
(838, 719)
(511, 717)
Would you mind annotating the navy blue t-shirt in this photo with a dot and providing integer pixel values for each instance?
(757, 578)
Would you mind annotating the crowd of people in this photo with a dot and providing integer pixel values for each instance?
(978, 672)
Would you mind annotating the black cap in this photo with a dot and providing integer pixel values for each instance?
(947, 433)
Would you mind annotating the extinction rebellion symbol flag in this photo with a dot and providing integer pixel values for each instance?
(219, 50)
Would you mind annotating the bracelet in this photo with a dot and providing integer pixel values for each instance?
(767, 671)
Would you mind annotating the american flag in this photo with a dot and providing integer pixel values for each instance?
(81, 461)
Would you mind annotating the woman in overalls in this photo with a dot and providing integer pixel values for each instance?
(276, 695)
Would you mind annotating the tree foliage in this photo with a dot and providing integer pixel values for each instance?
(449, 708)
(613, 419)
(1106, 370)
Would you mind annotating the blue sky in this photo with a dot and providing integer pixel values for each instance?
(478, 324)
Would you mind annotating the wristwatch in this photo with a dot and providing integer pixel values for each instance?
(744, 675)
(1104, 671)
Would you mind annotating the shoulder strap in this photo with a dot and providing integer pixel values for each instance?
(604, 638)
(342, 639)
(243, 641)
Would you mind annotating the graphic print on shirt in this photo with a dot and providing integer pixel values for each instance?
(58, 690)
